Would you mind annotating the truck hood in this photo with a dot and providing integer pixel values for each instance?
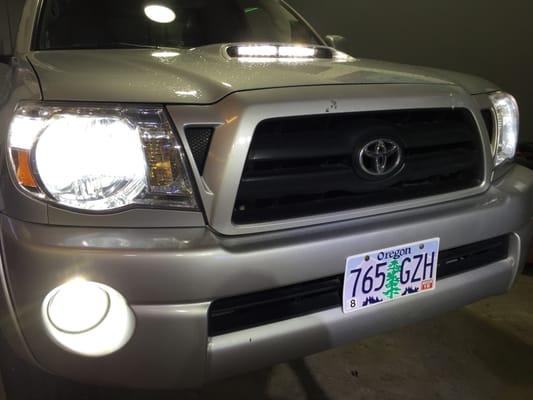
(205, 75)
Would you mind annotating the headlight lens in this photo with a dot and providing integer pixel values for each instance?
(507, 126)
(99, 158)
(91, 162)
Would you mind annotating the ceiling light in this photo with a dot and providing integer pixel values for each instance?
(160, 14)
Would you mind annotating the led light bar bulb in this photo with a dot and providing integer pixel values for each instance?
(296, 51)
(257, 51)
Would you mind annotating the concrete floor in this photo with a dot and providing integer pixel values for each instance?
(484, 351)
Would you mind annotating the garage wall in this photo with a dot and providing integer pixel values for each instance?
(492, 39)
(5, 38)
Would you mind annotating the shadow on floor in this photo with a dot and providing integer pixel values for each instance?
(528, 270)
(256, 386)
(293, 380)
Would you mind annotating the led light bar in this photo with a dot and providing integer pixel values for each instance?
(271, 51)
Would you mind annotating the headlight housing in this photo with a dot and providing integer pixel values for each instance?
(99, 158)
(507, 126)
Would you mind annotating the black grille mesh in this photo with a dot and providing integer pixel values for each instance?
(304, 166)
(199, 139)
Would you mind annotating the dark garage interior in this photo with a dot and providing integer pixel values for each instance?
(480, 351)
(482, 38)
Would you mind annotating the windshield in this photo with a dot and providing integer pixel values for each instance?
(93, 24)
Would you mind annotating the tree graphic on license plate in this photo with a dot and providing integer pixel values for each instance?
(392, 285)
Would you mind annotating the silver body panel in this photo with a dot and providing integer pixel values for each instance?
(205, 75)
(236, 117)
(298, 337)
(69, 70)
(170, 277)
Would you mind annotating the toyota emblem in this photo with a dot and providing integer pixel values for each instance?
(380, 157)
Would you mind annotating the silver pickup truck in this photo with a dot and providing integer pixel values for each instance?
(194, 189)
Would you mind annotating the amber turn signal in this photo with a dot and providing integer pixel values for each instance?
(23, 168)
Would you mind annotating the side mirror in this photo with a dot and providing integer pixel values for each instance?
(335, 41)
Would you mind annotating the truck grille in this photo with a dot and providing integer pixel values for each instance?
(303, 166)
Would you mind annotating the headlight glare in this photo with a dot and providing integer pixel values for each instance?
(90, 162)
(99, 158)
(507, 126)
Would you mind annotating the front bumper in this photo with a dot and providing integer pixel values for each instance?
(170, 277)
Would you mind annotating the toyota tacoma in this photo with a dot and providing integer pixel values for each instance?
(194, 189)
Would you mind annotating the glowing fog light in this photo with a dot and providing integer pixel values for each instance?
(88, 318)
(78, 307)
(160, 14)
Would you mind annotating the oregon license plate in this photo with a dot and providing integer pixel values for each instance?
(385, 275)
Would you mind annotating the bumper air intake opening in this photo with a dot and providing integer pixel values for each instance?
(261, 308)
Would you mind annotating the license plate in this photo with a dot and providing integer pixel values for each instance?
(381, 276)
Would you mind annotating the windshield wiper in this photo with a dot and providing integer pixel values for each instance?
(109, 45)
(126, 45)
(114, 45)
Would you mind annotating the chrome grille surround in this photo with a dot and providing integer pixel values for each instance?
(236, 117)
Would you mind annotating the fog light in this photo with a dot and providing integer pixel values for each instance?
(78, 307)
(88, 318)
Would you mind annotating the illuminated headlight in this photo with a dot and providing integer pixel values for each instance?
(507, 124)
(99, 158)
(88, 318)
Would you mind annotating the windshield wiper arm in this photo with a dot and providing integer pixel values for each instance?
(128, 45)
(115, 45)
